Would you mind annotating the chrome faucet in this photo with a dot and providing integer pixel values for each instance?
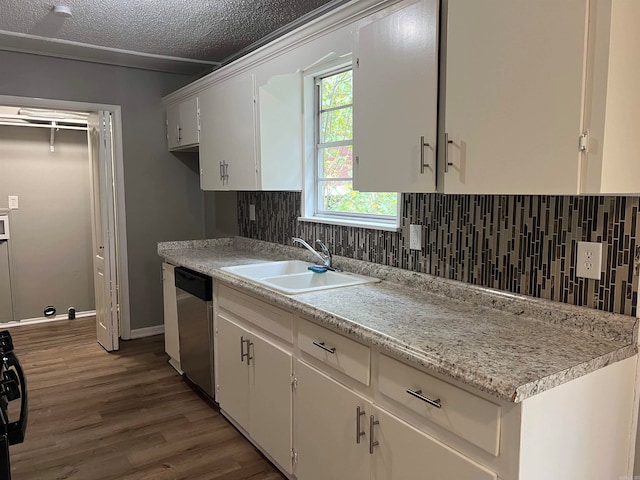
(325, 257)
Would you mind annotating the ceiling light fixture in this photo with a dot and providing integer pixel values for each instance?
(61, 11)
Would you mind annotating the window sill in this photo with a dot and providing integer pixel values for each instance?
(388, 227)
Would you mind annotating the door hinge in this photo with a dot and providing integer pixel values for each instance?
(583, 141)
(294, 457)
(357, 62)
(357, 160)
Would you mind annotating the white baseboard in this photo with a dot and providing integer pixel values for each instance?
(147, 331)
(175, 364)
(57, 318)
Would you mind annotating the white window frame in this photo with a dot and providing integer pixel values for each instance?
(330, 65)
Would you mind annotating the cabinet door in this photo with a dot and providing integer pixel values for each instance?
(395, 81)
(189, 122)
(271, 400)
(173, 125)
(211, 177)
(404, 452)
(171, 338)
(325, 429)
(232, 381)
(514, 91)
(234, 124)
(281, 140)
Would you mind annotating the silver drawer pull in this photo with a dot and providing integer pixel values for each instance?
(359, 432)
(331, 350)
(244, 355)
(372, 443)
(422, 164)
(418, 394)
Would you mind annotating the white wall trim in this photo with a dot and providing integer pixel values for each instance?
(147, 331)
(37, 320)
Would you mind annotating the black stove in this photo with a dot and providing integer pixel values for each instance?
(12, 387)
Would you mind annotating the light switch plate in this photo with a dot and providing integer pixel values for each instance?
(589, 260)
(415, 237)
(13, 202)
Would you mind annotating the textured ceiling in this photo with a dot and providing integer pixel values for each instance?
(200, 30)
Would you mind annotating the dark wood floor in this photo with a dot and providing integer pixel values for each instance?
(95, 415)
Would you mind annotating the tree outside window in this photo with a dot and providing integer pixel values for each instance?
(335, 193)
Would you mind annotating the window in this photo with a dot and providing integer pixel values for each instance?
(334, 199)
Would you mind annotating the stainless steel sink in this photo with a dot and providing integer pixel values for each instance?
(292, 277)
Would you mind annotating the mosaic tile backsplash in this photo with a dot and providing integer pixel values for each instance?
(518, 243)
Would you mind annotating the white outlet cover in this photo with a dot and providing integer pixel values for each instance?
(589, 260)
(252, 212)
(415, 237)
(13, 202)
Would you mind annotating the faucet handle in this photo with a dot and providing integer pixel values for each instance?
(326, 252)
(323, 247)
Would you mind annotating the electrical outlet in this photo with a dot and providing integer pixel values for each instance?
(589, 260)
(13, 202)
(415, 237)
(252, 212)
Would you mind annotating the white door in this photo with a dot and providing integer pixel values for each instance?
(395, 91)
(402, 451)
(103, 220)
(514, 89)
(325, 423)
(232, 380)
(270, 399)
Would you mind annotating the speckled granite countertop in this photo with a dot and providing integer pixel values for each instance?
(507, 345)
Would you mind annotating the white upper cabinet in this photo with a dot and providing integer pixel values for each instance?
(395, 91)
(540, 97)
(183, 124)
(513, 96)
(280, 126)
(612, 111)
(252, 136)
(228, 143)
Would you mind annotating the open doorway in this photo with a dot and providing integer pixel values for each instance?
(99, 198)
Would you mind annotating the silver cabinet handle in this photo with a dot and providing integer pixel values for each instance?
(418, 394)
(359, 432)
(249, 348)
(177, 133)
(221, 174)
(242, 349)
(447, 163)
(242, 354)
(372, 443)
(321, 345)
(422, 164)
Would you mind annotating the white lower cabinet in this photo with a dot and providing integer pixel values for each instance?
(253, 387)
(232, 379)
(171, 336)
(401, 451)
(324, 406)
(325, 425)
(327, 417)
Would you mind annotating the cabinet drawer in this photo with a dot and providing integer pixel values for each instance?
(471, 417)
(274, 320)
(339, 352)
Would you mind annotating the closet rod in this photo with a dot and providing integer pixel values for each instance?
(40, 125)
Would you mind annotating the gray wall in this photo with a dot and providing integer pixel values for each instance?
(50, 241)
(220, 214)
(163, 199)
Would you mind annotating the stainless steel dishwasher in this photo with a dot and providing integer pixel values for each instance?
(194, 295)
